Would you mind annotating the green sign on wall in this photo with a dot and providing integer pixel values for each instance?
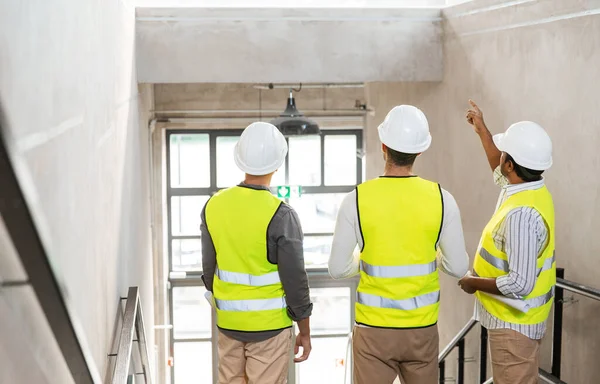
(287, 191)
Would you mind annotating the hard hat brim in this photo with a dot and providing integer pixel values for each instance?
(498, 141)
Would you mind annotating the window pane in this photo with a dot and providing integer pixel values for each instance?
(189, 160)
(340, 160)
(279, 177)
(191, 313)
(193, 363)
(316, 251)
(327, 362)
(318, 212)
(185, 214)
(331, 310)
(305, 160)
(187, 255)
(228, 174)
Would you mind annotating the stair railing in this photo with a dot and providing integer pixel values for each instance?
(552, 377)
(133, 325)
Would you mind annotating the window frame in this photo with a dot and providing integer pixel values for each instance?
(318, 277)
(213, 188)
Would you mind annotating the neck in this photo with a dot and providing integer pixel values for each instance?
(395, 170)
(264, 181)
(514, 179)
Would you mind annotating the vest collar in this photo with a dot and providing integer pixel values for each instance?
(512, 189)
(252, 186)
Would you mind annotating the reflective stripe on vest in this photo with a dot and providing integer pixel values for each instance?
(398, 270)
(405, 305)
(251, 305)
(542, 300)
(497, 262)
(502, 264)
(538, 301)
(248, 279)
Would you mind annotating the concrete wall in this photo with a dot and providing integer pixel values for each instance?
(69, 100)
(245, 97)
(243, 45)
(292, 3)
(534, 60)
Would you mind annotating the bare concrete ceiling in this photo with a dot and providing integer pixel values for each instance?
(196, 45)
(294, 3)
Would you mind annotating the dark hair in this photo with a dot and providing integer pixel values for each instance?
(524, 174)
(401, 159)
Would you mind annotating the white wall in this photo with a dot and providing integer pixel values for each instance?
(69, 100)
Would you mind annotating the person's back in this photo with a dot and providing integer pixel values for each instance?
(241, 254)
(253, 263)
(398, 220)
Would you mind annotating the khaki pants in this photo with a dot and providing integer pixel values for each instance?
(381, 354)
(264, 362)
(515, 357)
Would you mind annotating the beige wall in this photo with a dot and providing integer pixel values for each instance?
(245, 97)
(538, 61)
(69, 100)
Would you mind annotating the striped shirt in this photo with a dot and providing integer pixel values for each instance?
(522, 235)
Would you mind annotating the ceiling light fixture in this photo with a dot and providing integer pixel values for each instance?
(293, 123)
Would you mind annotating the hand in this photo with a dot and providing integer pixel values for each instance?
(465, 284)
(475, 118)
(304, 342)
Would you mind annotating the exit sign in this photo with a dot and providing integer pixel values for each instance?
(287, 191)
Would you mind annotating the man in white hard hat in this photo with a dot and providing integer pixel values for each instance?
(515, 257)
(398, 221)
(253, 262)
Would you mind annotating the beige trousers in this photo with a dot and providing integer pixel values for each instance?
(264, 362)
(515, 357)
(382, 354)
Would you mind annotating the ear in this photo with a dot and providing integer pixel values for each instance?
(383, 148)
(510, 166)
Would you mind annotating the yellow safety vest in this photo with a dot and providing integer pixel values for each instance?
(400, 221)
(491, 262)
(248, 293)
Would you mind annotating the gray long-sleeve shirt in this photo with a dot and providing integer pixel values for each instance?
(284, 248)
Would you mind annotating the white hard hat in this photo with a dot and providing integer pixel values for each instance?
(405, 129)
(528, 144)
(261, 149)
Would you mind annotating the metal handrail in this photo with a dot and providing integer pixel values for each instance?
(581, 289)
(459, 336)
(553, 377)
(133, 324)
(545, 376)
(549, 378)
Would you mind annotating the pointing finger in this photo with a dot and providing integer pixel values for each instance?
(474, 105)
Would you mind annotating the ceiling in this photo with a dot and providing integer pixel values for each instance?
(249, 45)
(294, 3)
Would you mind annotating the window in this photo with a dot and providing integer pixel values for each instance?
(192, 335)
(325, 167)
(188, 160)
(199, 163)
